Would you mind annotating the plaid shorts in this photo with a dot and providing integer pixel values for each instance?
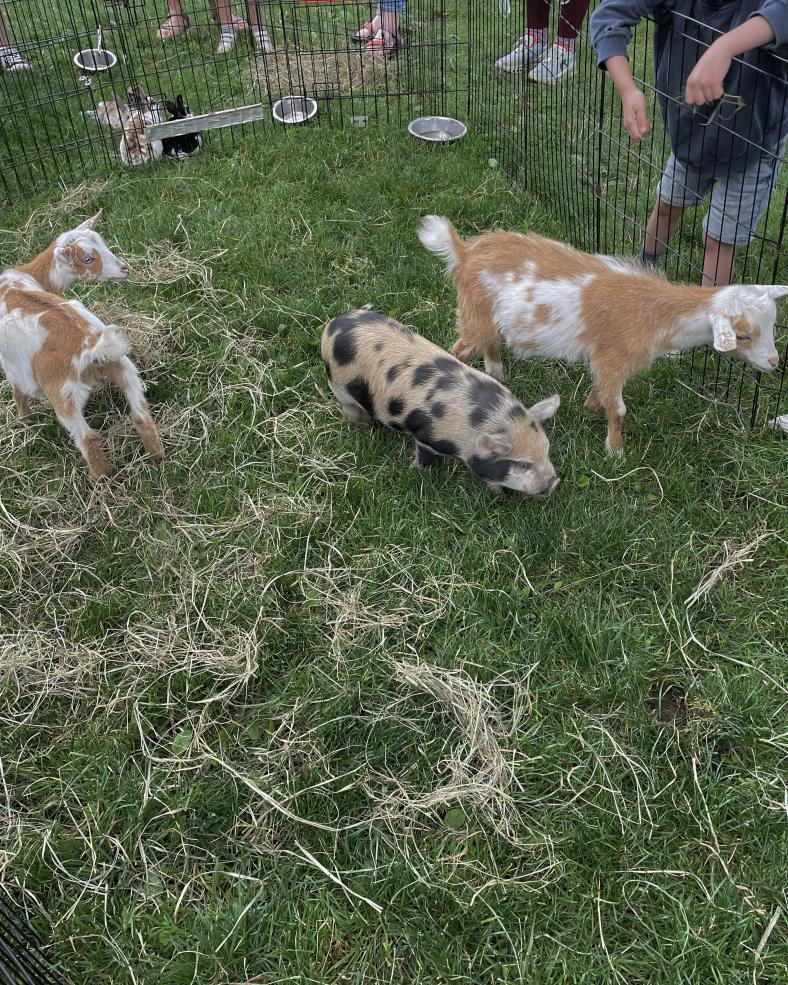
(736, 202)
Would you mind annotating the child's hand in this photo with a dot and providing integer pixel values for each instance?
(704, 84)
(633, 105)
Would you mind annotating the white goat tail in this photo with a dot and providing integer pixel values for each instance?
(440, 236)
(108, 347)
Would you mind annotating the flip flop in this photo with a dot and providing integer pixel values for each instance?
(169, 29)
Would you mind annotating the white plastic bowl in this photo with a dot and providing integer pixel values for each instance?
(294, 109)
(95, 59)
(437, 129)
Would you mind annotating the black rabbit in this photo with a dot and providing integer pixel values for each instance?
(179, 148)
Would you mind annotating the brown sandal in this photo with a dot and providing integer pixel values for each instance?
(170, 30)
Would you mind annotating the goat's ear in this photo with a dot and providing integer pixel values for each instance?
(65, 253)
(724, 334)
(497, 443)
(91, 222)
(545, 409)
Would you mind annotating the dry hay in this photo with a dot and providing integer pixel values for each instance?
(51, 216)
(165, 263)
(736, 555)
(320, 73)
(481, 774)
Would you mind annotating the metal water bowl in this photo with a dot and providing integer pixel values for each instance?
(437, 129)
(294, 109)
(95, 59)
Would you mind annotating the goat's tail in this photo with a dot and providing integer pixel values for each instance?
(109, 346)
(440, 236)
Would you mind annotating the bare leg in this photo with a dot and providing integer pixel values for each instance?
(176, 24)
(260, 35)
(717, 262)
(663, 222)
(124, 375)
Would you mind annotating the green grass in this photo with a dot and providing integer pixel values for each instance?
(192, 645)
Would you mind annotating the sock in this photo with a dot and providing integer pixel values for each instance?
(538, 34)
(568, 44)
(649, 259)
(261, 38)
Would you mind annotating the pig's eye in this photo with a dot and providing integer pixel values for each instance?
(744, 338)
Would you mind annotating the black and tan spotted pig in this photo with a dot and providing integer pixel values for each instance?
(380, 369)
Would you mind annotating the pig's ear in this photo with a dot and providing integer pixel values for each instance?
(545, 409)
(495, 444)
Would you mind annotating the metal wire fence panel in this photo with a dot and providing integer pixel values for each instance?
(48, 126)
(566, 143)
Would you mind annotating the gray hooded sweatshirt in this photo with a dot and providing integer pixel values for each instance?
(715, 139)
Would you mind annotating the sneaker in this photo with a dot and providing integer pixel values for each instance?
(527, 50)
(228, 38)
(262, 41)
(557, 63)
(11, 60)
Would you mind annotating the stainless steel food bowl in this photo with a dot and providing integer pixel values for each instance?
(95, 59)
(294, 109)
(437, 129)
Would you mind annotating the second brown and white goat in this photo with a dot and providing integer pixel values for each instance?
(546, 299)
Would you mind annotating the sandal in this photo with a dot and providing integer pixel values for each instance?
(173, 26)
(365, 32)
(379, 46)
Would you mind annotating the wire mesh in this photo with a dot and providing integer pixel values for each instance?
(23, 957)
(563, 142)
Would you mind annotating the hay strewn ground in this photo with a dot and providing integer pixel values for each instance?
(285, 710)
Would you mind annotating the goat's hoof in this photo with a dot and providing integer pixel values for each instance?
(615, 451)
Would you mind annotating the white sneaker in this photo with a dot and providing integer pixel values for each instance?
(555, 65)
(11, 60)
(262, 40)
(527, 50)
(227, 40)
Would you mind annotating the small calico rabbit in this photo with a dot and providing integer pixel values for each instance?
(135, 148)
(112, 111)
(184, 146)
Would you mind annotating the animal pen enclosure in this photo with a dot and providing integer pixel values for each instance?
(563, 143)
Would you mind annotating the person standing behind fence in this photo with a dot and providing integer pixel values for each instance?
(380, 36)
(177, 23)
(732, 147)
(557, 60)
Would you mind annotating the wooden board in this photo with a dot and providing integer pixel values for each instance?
(207, 121)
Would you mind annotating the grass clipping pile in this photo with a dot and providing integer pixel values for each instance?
(318, 73)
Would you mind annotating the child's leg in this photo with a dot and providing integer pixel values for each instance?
(570, 19)
(259, 33)
(389, 20)
(737, 204)
(679, 188)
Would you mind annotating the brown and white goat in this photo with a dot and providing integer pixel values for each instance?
(58, 348)
(546, 299)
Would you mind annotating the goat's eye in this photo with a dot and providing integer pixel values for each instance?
(87, 259)
(744, 338)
